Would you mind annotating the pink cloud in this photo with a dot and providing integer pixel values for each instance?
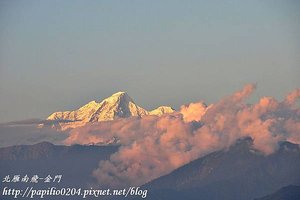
(153, 146)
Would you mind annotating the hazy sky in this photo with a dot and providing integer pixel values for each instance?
(58, 55)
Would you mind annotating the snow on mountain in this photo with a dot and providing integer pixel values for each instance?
(161, 110)
(119, 105)
(82, 114)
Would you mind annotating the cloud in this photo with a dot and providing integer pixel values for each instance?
(28, 132)
(292, 97)
(193, 111)
(153, 146)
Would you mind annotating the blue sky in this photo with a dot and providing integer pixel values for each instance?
(58, 55)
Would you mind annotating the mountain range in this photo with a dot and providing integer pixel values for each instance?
(119, 105)
(239, 172)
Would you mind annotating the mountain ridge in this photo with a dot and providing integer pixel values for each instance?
(290, 192)
(239, 172)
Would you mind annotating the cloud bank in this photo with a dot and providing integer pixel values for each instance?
(28, 132)
(153, 146)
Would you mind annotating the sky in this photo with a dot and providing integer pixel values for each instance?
(59, 55)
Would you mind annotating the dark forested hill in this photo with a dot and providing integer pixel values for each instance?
(238, 173)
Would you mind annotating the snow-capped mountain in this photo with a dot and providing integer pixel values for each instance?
(119, 105)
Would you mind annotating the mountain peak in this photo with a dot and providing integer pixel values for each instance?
(120, 93)
(162, 110)
(119, 105)
(119, 96)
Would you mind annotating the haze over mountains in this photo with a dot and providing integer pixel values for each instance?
(75, 163)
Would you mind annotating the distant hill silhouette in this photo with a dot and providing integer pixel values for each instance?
(239, 172)
(235, 174)
(75, 163)
(291, 192)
